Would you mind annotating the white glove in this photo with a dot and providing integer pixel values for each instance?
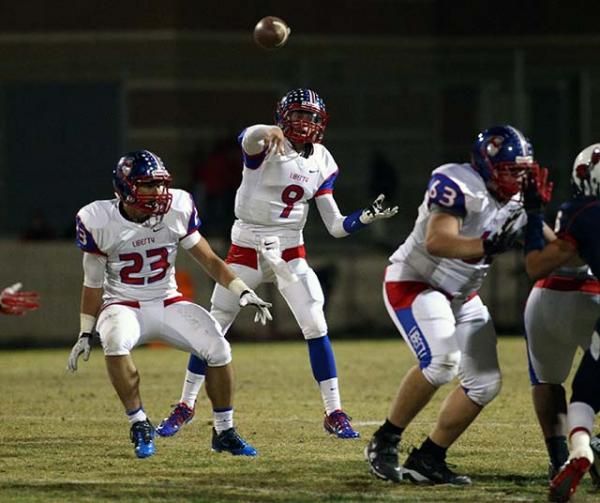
(271, 252)
(249, 298)
(376, 211)
(81, 347)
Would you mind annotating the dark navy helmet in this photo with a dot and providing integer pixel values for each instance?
(307, 127)
(503, 157)
(138, 168)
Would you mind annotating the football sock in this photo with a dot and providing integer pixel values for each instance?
(435, 450)
(191, 387)
(389, 427)
(323, 367)
(580, 445)
(135, 416)
(223, 419)
(580, 417)
(558, 450)
(331, 395)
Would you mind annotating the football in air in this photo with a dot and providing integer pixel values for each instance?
(271, 32)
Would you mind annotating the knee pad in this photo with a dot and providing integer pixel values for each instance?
(113, 344)
(442, 368)
(305, 299)
(483, 391)
(218, 352)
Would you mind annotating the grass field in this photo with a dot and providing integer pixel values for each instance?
(64, 437)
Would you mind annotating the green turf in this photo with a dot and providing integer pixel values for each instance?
(64, 437)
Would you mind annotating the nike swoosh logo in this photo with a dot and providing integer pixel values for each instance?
(270, 243)
(313, 171)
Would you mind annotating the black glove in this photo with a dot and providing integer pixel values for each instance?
(504, 239)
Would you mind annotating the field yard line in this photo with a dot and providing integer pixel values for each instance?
(115, 419)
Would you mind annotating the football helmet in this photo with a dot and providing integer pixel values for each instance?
(307, 130)
(139, 167)
(585, 177)
(503, 156)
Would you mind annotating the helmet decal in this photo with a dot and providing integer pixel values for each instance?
(138, 168)
(302, 116)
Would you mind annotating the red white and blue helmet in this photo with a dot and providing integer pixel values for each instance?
(502, 155)
(302, 131)
(136, 168)
(585, 177)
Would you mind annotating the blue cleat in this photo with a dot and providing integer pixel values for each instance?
(142, 435)
(230, 441)
(338, 423)
(180, 415)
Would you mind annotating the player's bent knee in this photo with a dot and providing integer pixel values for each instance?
(484, 393)
(218, 352)
(315, 326)
(442, 368)
(113, 344)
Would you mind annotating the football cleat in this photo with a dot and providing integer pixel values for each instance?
(180, 415)
(564, 485)
(595, 468)
(142, 436)
(422, 468)
(338, 423)
(230, 441)
(382, 455)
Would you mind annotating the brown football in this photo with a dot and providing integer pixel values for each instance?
(271, 32)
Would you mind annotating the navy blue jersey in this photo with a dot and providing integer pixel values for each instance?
(578, 221)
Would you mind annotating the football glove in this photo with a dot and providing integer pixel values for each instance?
(504, 239)
(249, 298)
(14, 302)
(82, 347)
(376, 211)
(537, 191)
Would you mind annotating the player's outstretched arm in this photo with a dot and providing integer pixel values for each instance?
(217, 269)
(340, 226)
(13, 301)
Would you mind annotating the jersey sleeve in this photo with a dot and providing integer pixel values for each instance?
(87, 234)
(191, 220)
(446, 194)
(329, 172)
(254, 151)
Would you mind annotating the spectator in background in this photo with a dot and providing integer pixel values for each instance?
(215, 181)
(382, 180)
(39, 229)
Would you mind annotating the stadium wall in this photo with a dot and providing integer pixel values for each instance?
(352, 280)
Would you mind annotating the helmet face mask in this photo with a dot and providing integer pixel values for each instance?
(302, 116)
(503, 157)
(136, 179)
(585, 176)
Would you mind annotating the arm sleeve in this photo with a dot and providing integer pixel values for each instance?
(331, 215)
(253, 146)
(93, 270)
(190, 240)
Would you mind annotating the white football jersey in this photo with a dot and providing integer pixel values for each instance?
(460, 190)
(140, 256)
(276, 189)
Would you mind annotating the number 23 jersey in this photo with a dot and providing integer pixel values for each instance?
(140, 257)
(457, 189)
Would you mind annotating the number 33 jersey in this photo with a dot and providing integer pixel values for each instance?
(275, 189)
(140, 257)
(459, 190)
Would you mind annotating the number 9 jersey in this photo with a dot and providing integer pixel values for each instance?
(275, 188)
(140, 257)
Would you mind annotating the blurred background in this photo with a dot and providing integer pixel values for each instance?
(408, 84)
